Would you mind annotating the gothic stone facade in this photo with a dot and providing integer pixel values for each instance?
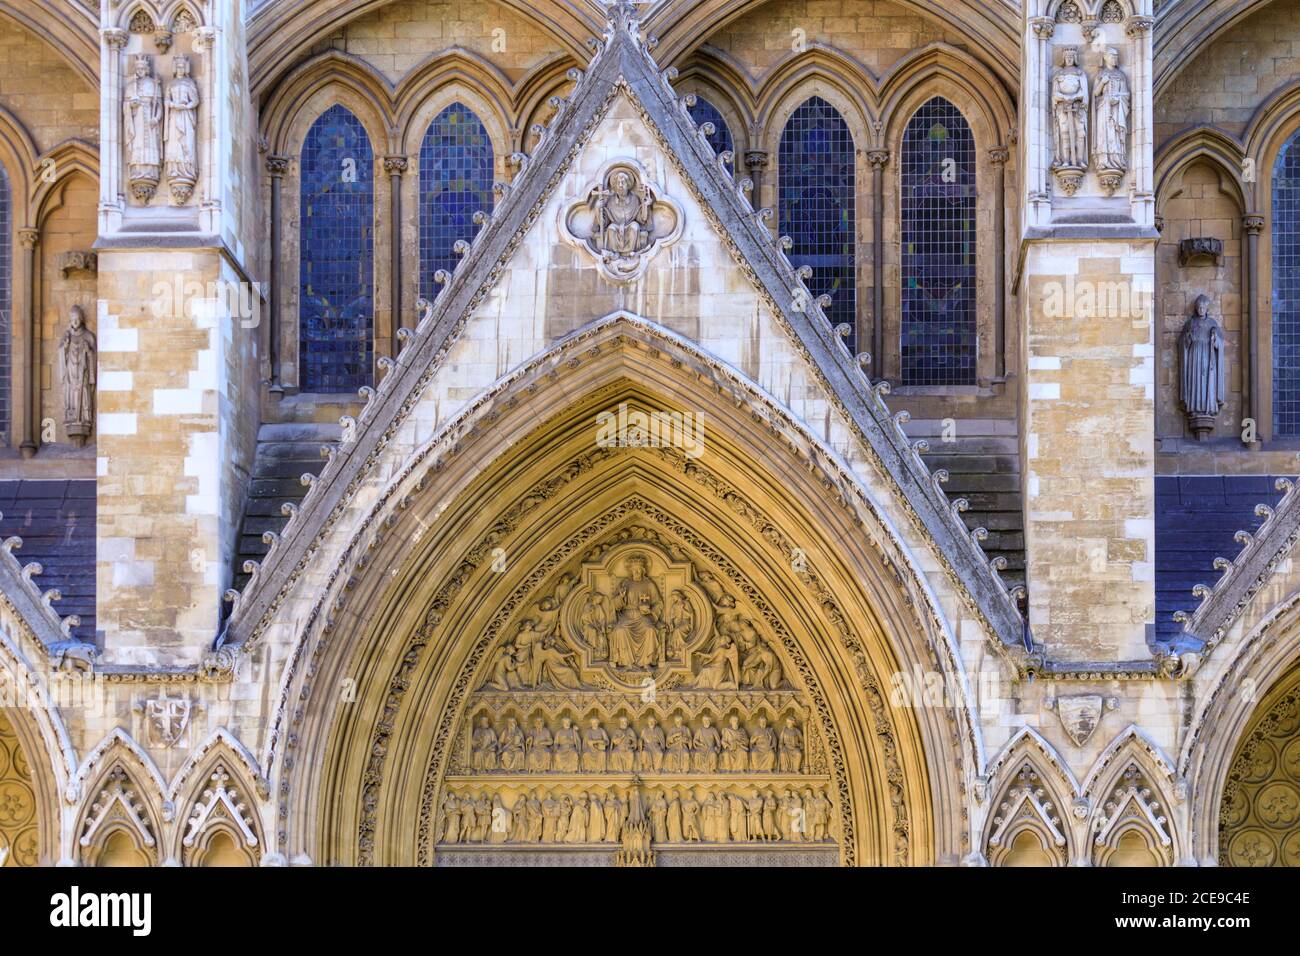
(791, 432)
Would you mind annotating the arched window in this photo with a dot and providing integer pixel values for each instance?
(1286, 289)
(455, 183)
(720, 139)
(336, 277)
(816, 209)
(939, 337)
(6, 302)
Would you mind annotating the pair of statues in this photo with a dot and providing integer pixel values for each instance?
(160, 130)
(1109, 99)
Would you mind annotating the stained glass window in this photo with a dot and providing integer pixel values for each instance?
(816, 204)
(6, 301)
(1286, 289)
(455, 183)
(939, 338)
(705, 112)
(336, 280)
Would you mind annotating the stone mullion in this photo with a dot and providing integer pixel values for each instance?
(998, 156)
(276, 166)
(878, 158)
(31, 397)
(1252, 225)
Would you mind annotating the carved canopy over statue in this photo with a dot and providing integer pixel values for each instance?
(622, 221)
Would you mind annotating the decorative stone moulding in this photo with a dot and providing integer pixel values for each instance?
(1200, 250)
(622, 221)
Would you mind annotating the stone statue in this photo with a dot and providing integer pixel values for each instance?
(594, 624)
(565, 755)
(595, 819)
(614, 816)
(1069, 114)
(1111, 101)
(77, 374)
(636, 636)
(735, 747)
(533, 810)
(142, 109)
(681, 624)
(690, 818)
(181, 141)
(678, 758)
(501, 821)
(659, 817)
(595, 748)
(511, 747)
(451, 818)
(759, 667)
(791, 757)
(622, 754)
(483, 746)
(539, 747)
(706, 745)
(651, 757)
(624, 229)
(1204, 379)
(762, 747)
(720, 667)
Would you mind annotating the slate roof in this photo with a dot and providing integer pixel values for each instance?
(56, 520)
(1196, 520)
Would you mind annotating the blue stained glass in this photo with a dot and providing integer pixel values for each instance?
(336, 280)
(816, 202)
(455, 182)
(939, 335)
(705, 112)
(6, 301)
(1286, 289)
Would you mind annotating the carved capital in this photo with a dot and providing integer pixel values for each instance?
(1253, 225)
(877, 158)
(1043, 27)
(756, 158)
(999, 155)
(1138, 26)
(30, 238)
(277, 166)
(114, 38)
(204, 38)
(396, 165)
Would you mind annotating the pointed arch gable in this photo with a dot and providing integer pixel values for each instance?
(218, 790)
(120, 791)
(1030, 788)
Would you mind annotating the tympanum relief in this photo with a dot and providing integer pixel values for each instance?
(637, 677)
(622, 221)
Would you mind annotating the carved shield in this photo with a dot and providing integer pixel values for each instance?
(1079, 716)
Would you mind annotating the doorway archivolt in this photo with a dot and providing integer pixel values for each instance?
(592, 651)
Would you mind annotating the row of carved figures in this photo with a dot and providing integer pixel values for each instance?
(160, 130)
(731, 748)
(1109, 100)
(544, 817)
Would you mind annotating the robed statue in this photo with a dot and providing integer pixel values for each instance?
(77, 377)
(1204, 378)
(142, 115)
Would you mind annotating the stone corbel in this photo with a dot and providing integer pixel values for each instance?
(1200, 249)
(78, 261)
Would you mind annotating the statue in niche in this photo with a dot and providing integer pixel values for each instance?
(622, 754)
(181, 142)
(483, 746)
(77, 377)
(565, 755)
(762, 747)
(690, 818)
(791, 757)
(678, 757)
(651, 757)
(1069, 121)
(511, 747)
(706, 745)
(636, 637)
(142, 107)
(539, 747)
(595, 748)
(1111, 98)
(735, 747)
(1204, 377)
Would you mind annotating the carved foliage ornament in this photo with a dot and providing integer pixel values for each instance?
(622, 221)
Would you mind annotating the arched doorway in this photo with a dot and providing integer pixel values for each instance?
(1259, 815)
(538, 578)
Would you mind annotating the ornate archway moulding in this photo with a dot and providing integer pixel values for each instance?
(622, 220)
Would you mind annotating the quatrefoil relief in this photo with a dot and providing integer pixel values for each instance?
(622, 221)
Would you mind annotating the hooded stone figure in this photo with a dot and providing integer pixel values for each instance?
(1203, 385)
(77, 376)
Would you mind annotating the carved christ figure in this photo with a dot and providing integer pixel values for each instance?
(1204, 379)
(634, 639)
(142, 114)
(182, 131)
(622, 215)
(77, 371)
(1069, 113)
(1111, 99)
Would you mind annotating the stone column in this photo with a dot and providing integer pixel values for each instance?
(396, 166)
(998, 155)
(112, 43)
(1142, 138)
(1036, 139)
(1252, 225)
(30, 409)
(208, 45)
(276, 167)
(878, 158)
(756, 161)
